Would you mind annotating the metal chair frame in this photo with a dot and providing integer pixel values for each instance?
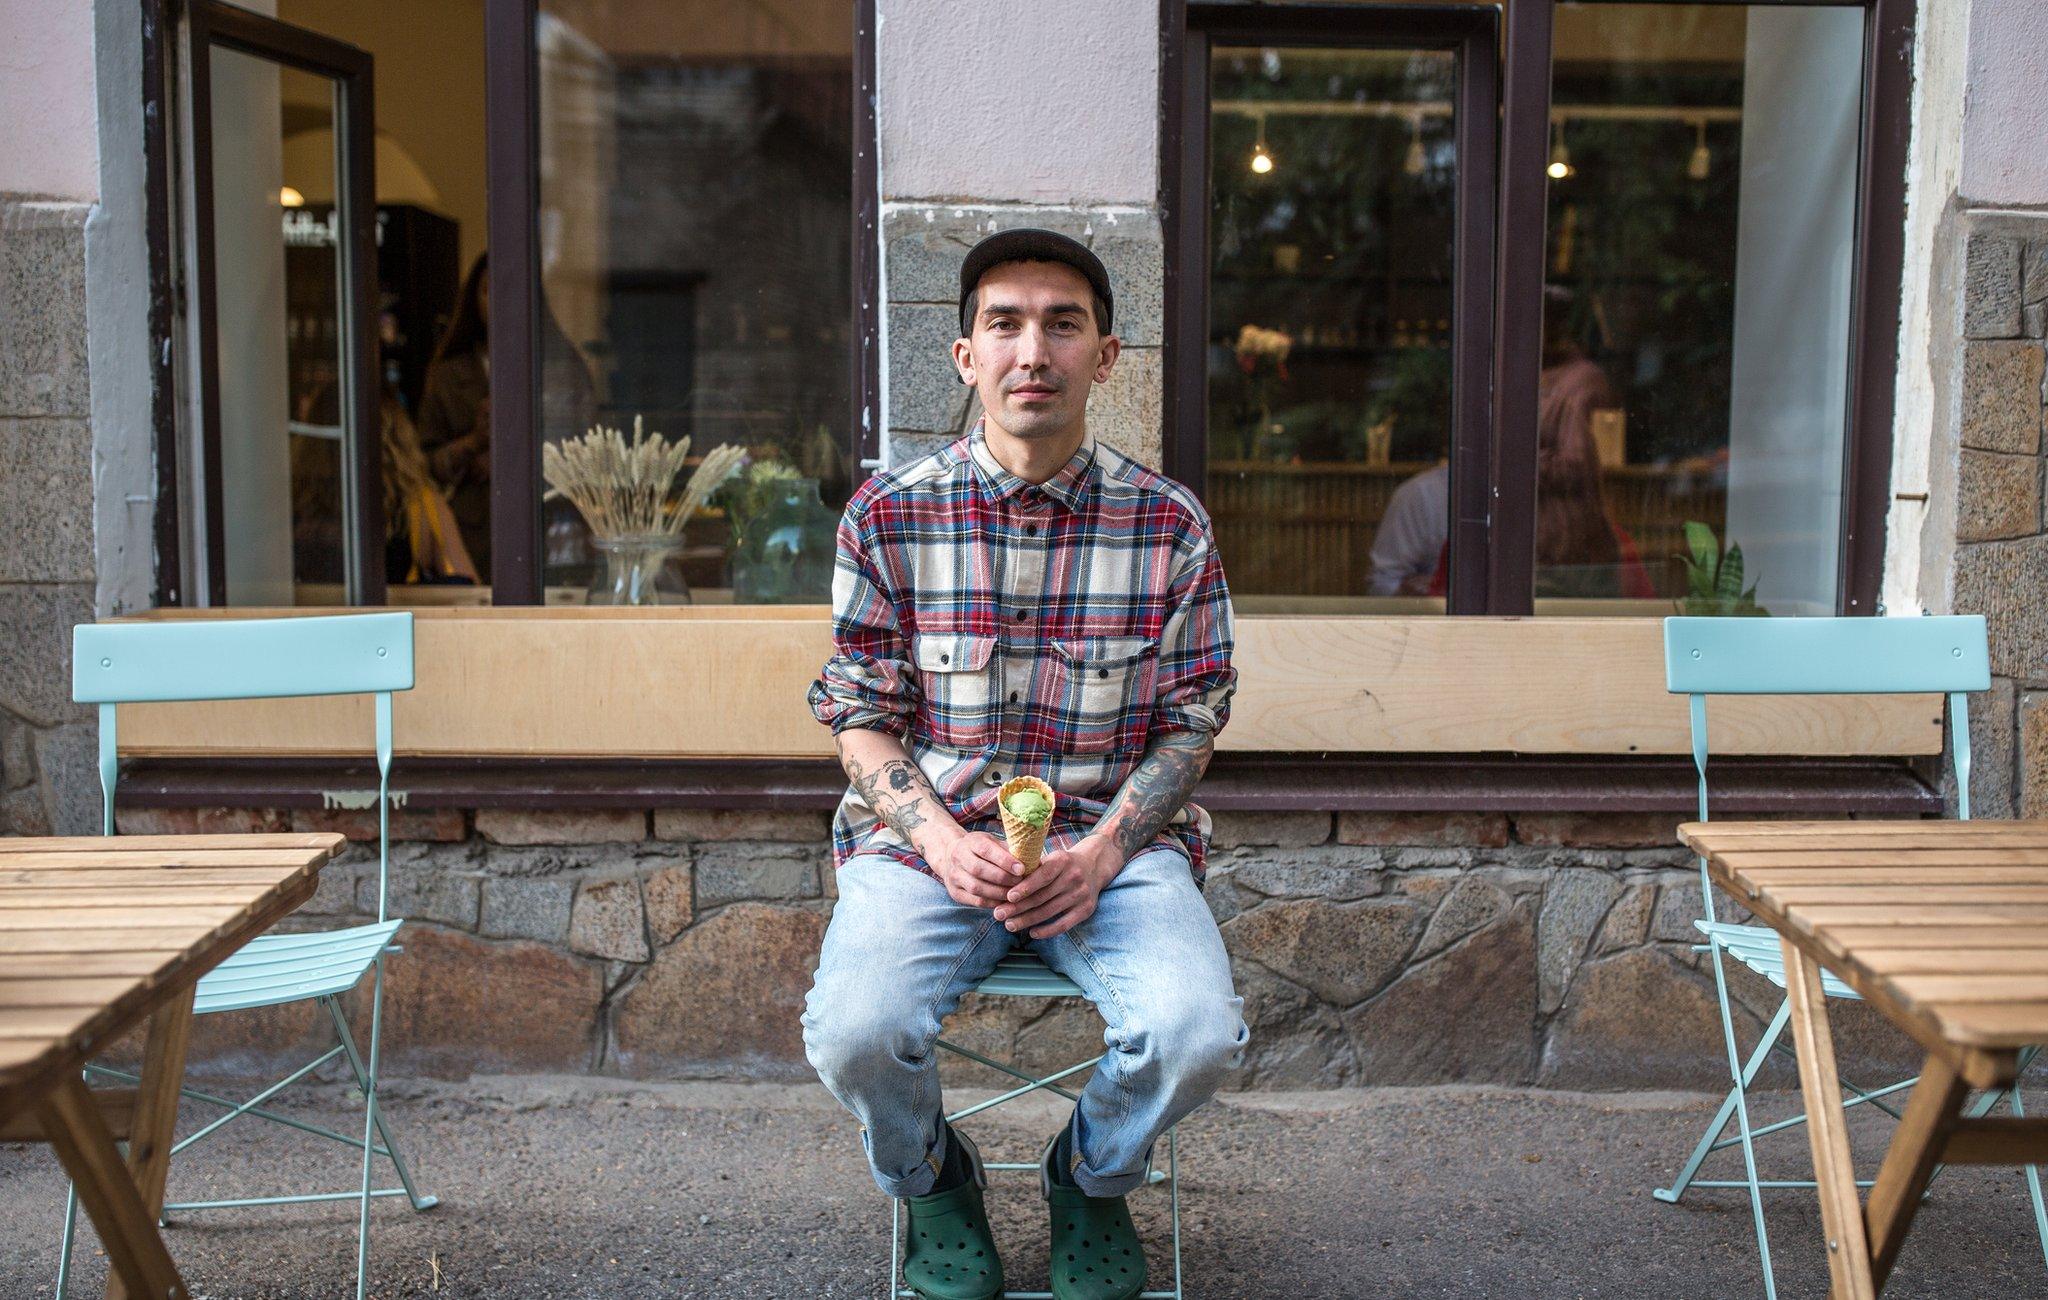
(1946, 655)
(226, 659)
(1023, 974)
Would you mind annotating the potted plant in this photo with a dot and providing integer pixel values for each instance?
(1713, 577)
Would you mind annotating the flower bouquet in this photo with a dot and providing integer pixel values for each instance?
(626, 493)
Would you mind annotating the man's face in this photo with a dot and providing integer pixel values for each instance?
(1035, 350)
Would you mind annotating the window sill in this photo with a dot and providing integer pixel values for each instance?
(1235, 783)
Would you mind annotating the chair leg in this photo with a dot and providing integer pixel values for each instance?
(1735, 1067)
(895, 1247)
(369, 1127)
(1173, 1182)
(1719, 1124)
(70, 1234)
(2033, 1174)
(390, 1147)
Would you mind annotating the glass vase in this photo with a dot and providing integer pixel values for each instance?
(639, 569)
(785, 553)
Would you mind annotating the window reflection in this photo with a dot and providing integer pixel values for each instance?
(1699, 242)
(1332, 216)
(695, 229)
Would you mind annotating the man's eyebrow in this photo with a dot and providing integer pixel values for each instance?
(1011, 309)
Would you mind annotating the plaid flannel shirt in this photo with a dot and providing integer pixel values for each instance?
(1001, 628)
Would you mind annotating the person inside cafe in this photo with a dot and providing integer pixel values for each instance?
(1580, 551)
(455, 412)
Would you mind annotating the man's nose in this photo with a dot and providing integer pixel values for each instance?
(1033, 352)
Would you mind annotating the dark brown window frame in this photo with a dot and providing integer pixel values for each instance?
(1494, 526)
(1470, 33)
(512, 117)
(211, 23)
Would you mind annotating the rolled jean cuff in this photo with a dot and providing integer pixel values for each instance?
(918, 1182)
(1095, 1184)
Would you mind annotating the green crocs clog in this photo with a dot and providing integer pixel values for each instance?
(951, 1253)
(1096, 1254)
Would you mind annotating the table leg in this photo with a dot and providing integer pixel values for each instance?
(156, 1108)
(156, 1101)
(78, 1133)
(1841, 1212)
(1916, 1149)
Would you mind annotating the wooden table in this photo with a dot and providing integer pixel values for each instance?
(1943, 927)
(97, 934)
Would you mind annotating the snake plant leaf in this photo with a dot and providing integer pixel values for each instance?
(1728, 582)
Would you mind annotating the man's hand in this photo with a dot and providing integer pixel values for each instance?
(1062, 892)
(978, 869)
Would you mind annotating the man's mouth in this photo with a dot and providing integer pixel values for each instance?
(1033, 392)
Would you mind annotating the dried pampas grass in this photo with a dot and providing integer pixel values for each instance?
(622, 488)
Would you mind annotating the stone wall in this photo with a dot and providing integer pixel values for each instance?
(1552, 949)
(924, 245)
(46, 540)
(2001, 554)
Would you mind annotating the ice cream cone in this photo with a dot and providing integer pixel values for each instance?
(1026, 841)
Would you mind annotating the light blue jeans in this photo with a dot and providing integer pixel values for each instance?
(900, 953)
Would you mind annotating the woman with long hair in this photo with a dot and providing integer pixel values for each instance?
(455, 412)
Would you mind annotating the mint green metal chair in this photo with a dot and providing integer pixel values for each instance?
(235, 659)
(1811, 656)
(1024, 974)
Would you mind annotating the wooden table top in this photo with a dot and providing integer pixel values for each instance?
(1943, 925)
(96, 931)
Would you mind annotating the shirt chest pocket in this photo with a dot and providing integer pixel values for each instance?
(1105, 686)
(957, 675)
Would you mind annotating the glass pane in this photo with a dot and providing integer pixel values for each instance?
(1329, 422)
(696, 270)
(278, 297)
(1696, 313)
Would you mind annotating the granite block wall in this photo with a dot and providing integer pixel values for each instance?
(47, 783)
(1540, 948)
(2001, 552)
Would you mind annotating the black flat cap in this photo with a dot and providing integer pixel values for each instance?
(1029, 244)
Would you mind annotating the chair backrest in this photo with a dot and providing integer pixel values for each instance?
(1948, 655)
(245, 659)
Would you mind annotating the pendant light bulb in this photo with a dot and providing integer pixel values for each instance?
(1560, 158)
(1702, 160)
(1262, 161)
(1416, 161)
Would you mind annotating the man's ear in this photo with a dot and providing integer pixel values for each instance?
(963, 361)
(1105, 360)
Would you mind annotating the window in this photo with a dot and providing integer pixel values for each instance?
(664, 216)
(1687, 321)
(1697, 283)
(1333, 226)
(693, 257)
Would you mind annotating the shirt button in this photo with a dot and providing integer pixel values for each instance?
(1022, 615)
(1013, 697)
(994, 777)
(1031, 530)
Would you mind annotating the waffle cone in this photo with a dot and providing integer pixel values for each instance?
(1025, 840)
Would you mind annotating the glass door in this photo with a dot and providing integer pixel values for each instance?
(290, 428)
(1336, 396)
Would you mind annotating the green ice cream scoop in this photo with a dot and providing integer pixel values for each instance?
(1029, 806)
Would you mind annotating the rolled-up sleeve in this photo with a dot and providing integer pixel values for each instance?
(868, 682)
(1196, 677)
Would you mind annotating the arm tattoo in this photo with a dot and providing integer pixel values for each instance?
(1156, 790)
(896, 792)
